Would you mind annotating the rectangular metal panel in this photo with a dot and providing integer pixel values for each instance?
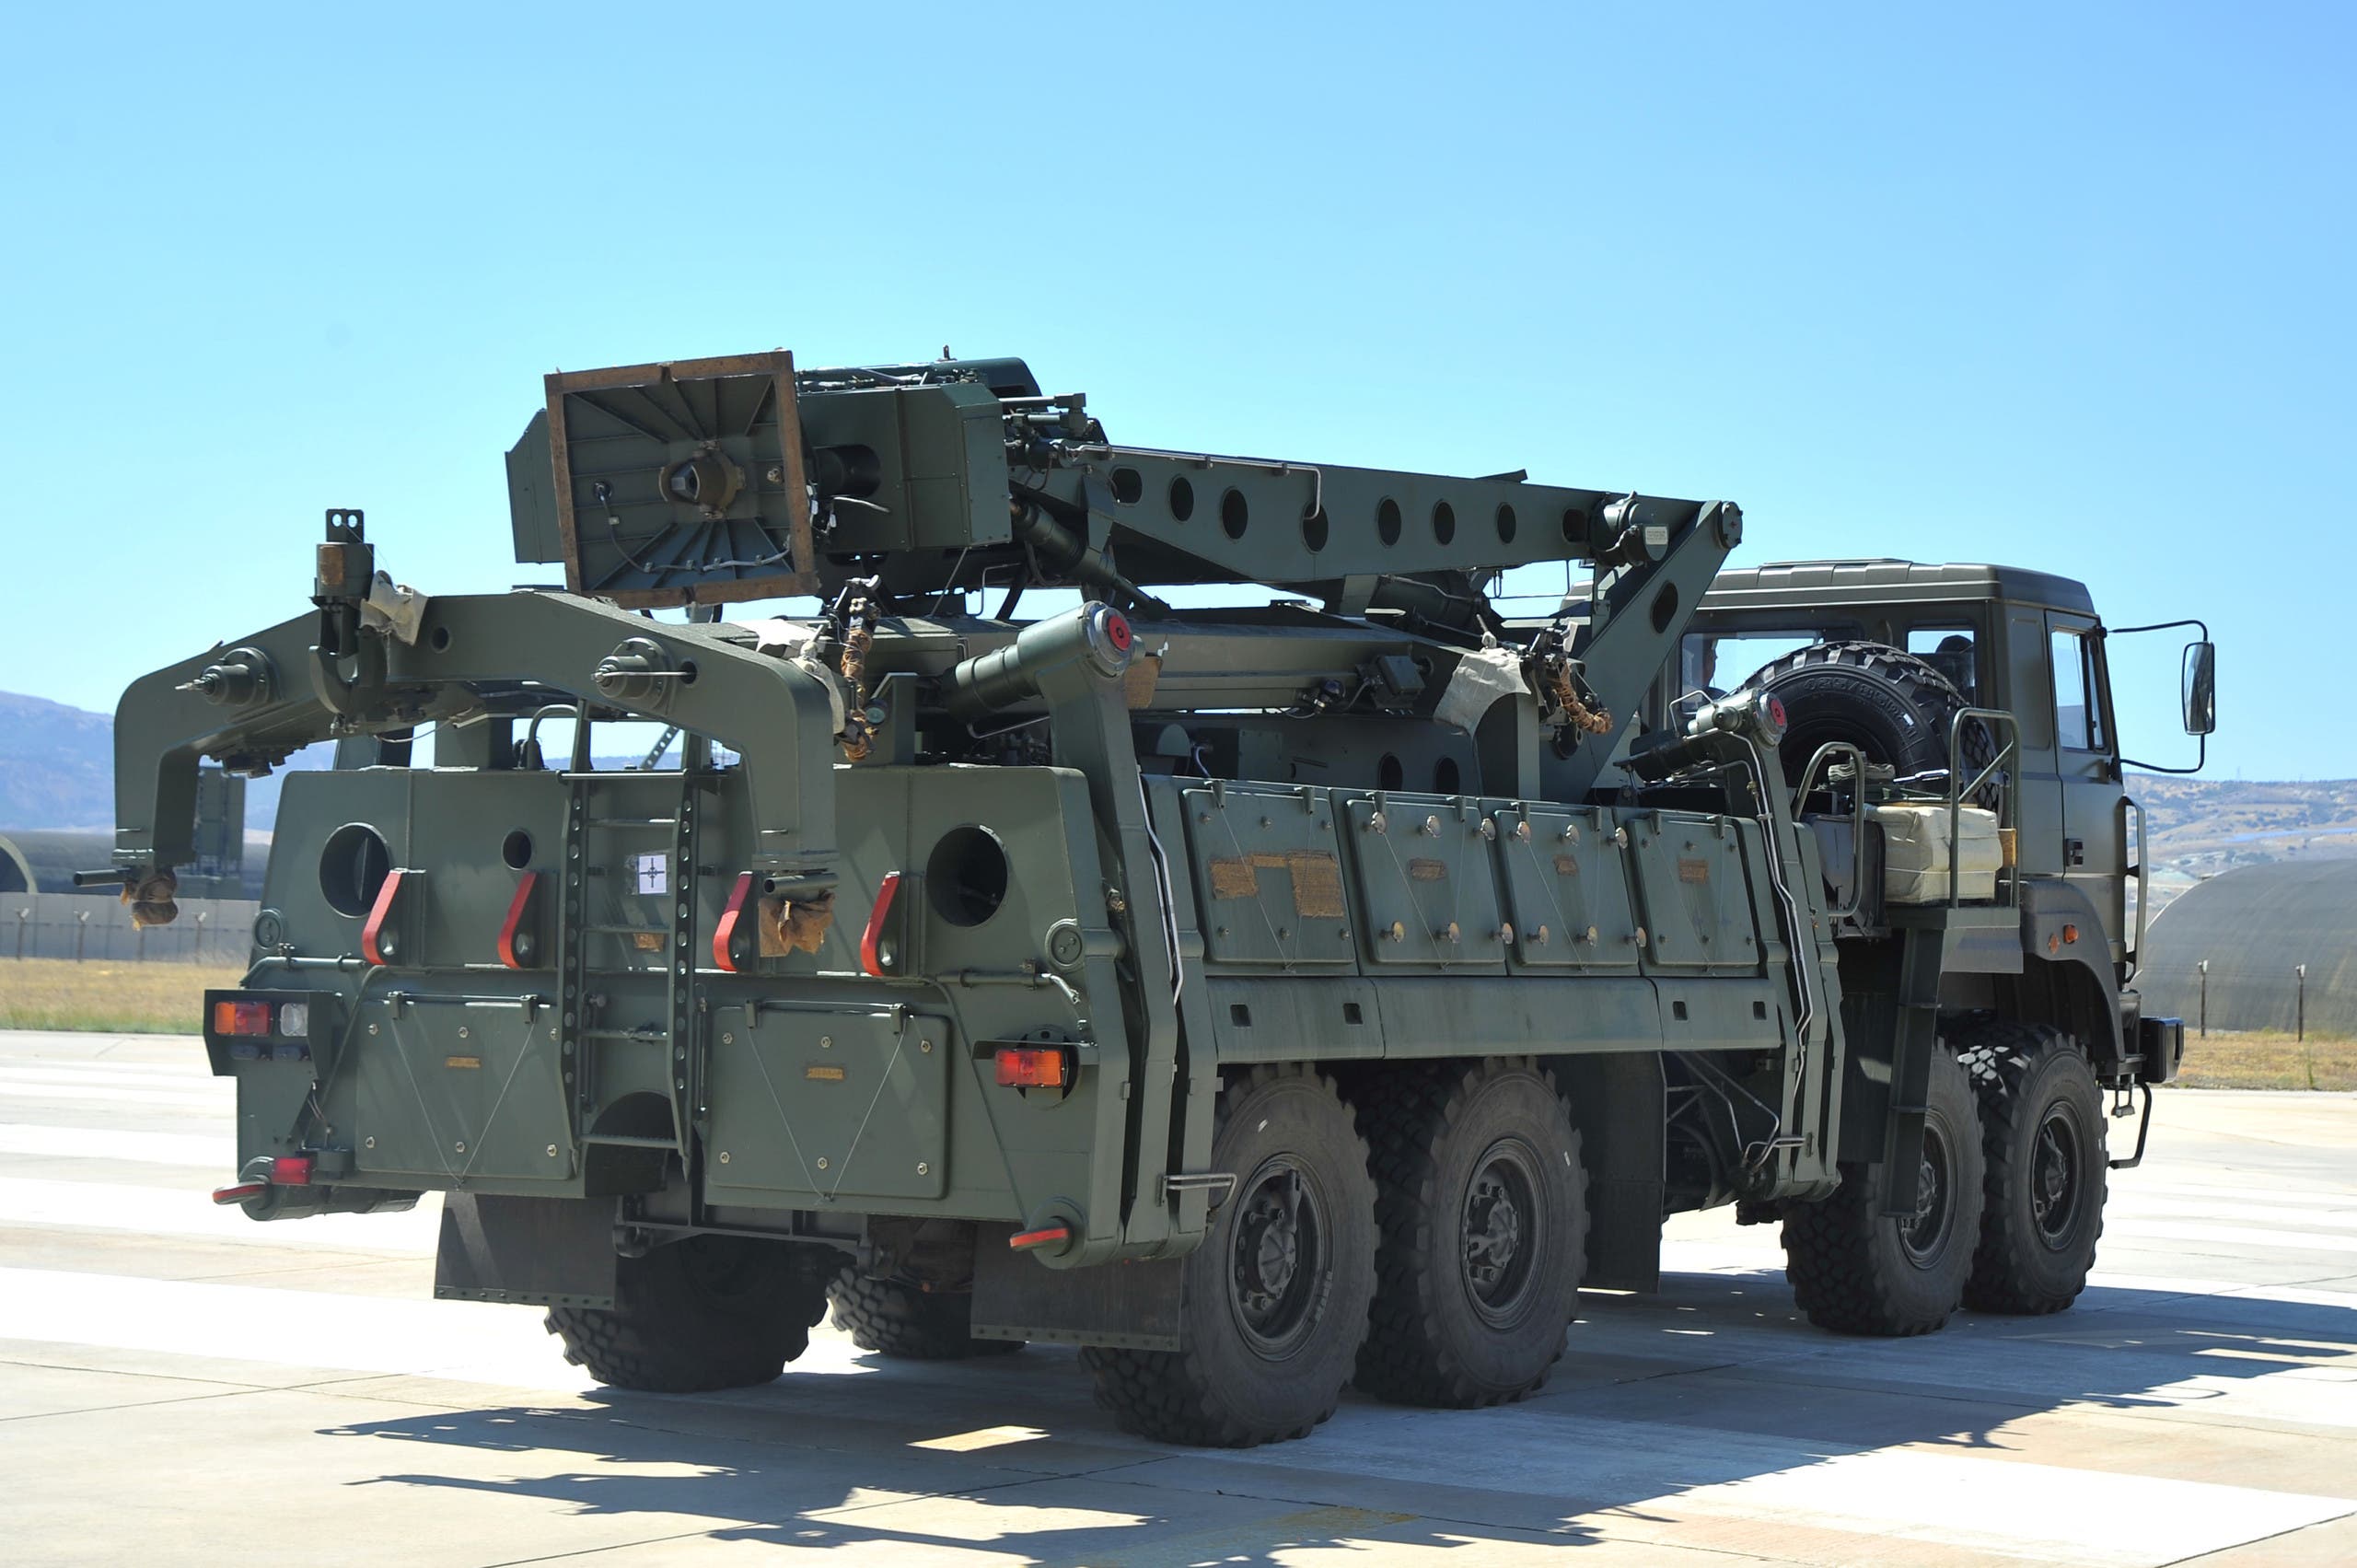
(1426, 1016)
(1567, 889)
(819, 1104)
(1427, 892)
(1296, 1019)
(1268, 877)
(1693, 891)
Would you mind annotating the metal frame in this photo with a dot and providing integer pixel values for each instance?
(2009, 877)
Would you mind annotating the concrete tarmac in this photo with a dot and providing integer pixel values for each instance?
(178, 1385)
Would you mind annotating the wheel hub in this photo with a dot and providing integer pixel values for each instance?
(2055, 1179)
(1502, 1234)
(1925, 1233)
(1277, 1258)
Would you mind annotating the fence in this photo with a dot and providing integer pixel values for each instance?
(94, 929)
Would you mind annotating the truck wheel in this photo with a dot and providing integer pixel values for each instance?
(898, 1319)
(1481, 1213)
(2042, 1140)
(1856, 1271)
(1891, 705)
(710, 1312)
(1276, 1297)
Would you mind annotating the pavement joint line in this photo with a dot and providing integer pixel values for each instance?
(226, 1383)
(136, 1404)
(2256, 1540)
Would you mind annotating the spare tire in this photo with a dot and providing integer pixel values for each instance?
(1891, 705)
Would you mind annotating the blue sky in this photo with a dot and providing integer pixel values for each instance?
(2071, 291)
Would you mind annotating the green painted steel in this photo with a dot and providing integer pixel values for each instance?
(764, 990)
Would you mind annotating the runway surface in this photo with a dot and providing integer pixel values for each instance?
(179, 1385)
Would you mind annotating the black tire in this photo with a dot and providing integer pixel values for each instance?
(710, 1312)
(1276, 1297)
(2042, 1143)
(894, 1318)
(1891, 705)
(1856, 1271)
(1481, 1213)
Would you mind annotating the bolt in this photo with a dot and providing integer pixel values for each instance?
(462, 1031)
(822, 1162)
(460, 1145)
(723, 1157)
(369, 1143)
(826, 1043)
(372, 1029)
(728, 1040)
(551, 1151)
(924, 1045)
(924, 1169)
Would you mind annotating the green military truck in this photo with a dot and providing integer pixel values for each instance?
(1266, 997)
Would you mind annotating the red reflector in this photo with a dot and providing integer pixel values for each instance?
(1116, 631)
(240, 1193)
(1031, 1067)
(377, 943)
(291, 1171)
(1050, 1235)
(517, 954)
(872, 960)
(241, 1017)
(1776, 710)
(724, 935)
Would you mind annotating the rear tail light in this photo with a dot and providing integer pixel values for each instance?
(1033, 1067)
(291, 1171)
(295, 1019)
(241, 1017)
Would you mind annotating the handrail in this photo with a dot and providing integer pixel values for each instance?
(1823, 756)
(2009, 800)
(2135, 957)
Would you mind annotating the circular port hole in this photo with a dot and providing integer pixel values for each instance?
(440, 638)
(1182, 499)
(1234, 514)
(1314, 531)
(1505, 524)
(515, 849)
(354, 864)
(1128, 485)
(1387, 521)
(966, 875)
(1444, 522)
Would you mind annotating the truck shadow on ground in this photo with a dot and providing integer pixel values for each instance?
(1714, 1382)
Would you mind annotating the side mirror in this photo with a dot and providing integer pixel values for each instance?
(2201, 688)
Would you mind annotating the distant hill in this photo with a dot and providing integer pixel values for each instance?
(57, 769)
(57, 765)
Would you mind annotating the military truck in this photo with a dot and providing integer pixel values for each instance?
(1266, 997)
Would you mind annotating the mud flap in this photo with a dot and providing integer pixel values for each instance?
(536, 1251)
(1130, 1306)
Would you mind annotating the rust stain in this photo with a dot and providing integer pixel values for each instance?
(1693, 870)
(1567, 865)
(1423, 870)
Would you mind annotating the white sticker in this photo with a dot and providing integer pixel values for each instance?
(654, 873)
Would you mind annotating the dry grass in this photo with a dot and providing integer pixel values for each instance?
(57, 994)
(2268, 1059)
